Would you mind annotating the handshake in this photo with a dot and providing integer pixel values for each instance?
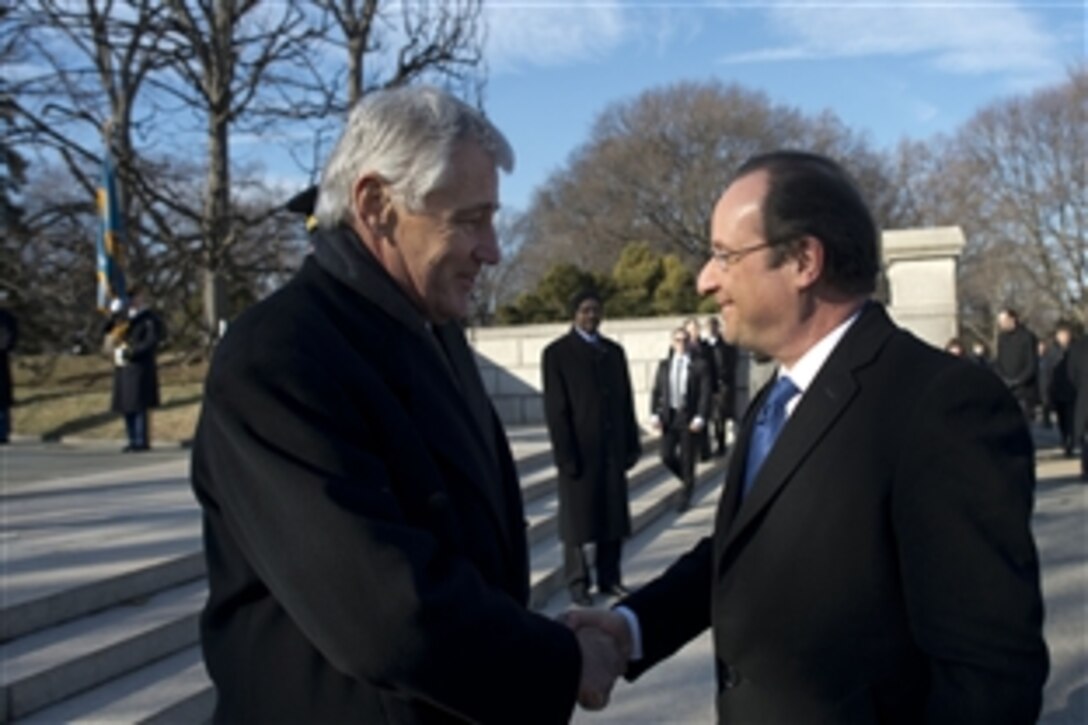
(605, 641)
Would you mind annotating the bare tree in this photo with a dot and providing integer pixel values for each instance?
(1022, 198)
(654, 166)
(229, 60)
(395, 43)
(82, 68)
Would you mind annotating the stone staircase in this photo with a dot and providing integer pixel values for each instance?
(104, 581)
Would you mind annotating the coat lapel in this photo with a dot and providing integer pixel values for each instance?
(446, 372)
(829, 396)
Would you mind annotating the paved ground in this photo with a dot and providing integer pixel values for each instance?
(680, 691)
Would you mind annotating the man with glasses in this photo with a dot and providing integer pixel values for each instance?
(872, 558)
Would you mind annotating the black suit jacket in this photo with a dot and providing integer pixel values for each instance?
(363, 525)
(696, 392)
(1077, 370)
(882, 569)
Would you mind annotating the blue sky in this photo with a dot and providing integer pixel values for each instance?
(890, 69)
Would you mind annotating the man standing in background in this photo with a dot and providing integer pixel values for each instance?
(590, 414)
(135, 339)
(680, 405)
(1017, 360)
(1077, 362)
(9, 333)
(723, 359)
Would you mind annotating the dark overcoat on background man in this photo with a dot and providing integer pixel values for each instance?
(1077, 366)
(595, 437)
(1017, 362)
(136, 383)
(9, 333)
(364, 525)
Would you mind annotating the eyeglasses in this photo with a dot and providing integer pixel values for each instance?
(727, 258)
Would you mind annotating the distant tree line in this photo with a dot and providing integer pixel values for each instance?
(1013, 177)
(174, 90)
(643, 283)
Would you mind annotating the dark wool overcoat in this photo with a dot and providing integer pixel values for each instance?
(1077, 366)
(882, 568)
(364, 531)
(590, 414)
(136, 383)
(9, 332)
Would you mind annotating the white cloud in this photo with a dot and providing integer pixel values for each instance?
(957, 37)
(523, 33)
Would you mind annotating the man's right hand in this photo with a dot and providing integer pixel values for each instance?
(605, 641)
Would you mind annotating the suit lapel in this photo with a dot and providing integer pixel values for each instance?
(825, 401)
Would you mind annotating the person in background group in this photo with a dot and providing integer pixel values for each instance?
(723, 369)
(680, 407)
(954, 347)
(1017, 360)
(872, 558)
(1048, 356)
(1077, 362)
(9, 334)
(363, 525)
(1061, 393)
(134, 335)
(980, 355)
(590, 414)
(697, 348)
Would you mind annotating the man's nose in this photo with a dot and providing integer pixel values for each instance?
(487, 247)
(707, 281)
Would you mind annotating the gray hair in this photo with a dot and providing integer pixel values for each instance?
(405, 136)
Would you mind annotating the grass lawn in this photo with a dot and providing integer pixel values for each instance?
(69, 396)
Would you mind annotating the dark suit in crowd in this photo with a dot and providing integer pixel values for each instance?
(135, 373)
(1061, 393)
(723, 368)
(590, 415)
(680, 397)
(1077, 360)
(1017, 363)
(363, 524)
(872, 558)
(9, 334)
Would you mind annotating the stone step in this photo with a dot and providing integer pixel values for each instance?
(48, 666)
(656, 497)
(124, 662)
(539, 477)
(144, 538)
(542, 513)
(174, 689)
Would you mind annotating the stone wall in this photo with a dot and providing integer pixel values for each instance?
(920, 267)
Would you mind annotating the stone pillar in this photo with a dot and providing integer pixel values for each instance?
(920, 266)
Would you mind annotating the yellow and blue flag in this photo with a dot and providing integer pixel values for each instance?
(111, 277)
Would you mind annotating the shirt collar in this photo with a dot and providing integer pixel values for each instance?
(585, 335)
(805, 370)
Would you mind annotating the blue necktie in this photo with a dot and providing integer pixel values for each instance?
(769, 422)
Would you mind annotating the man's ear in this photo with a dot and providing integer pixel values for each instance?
(809, 258)
(373, 207)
